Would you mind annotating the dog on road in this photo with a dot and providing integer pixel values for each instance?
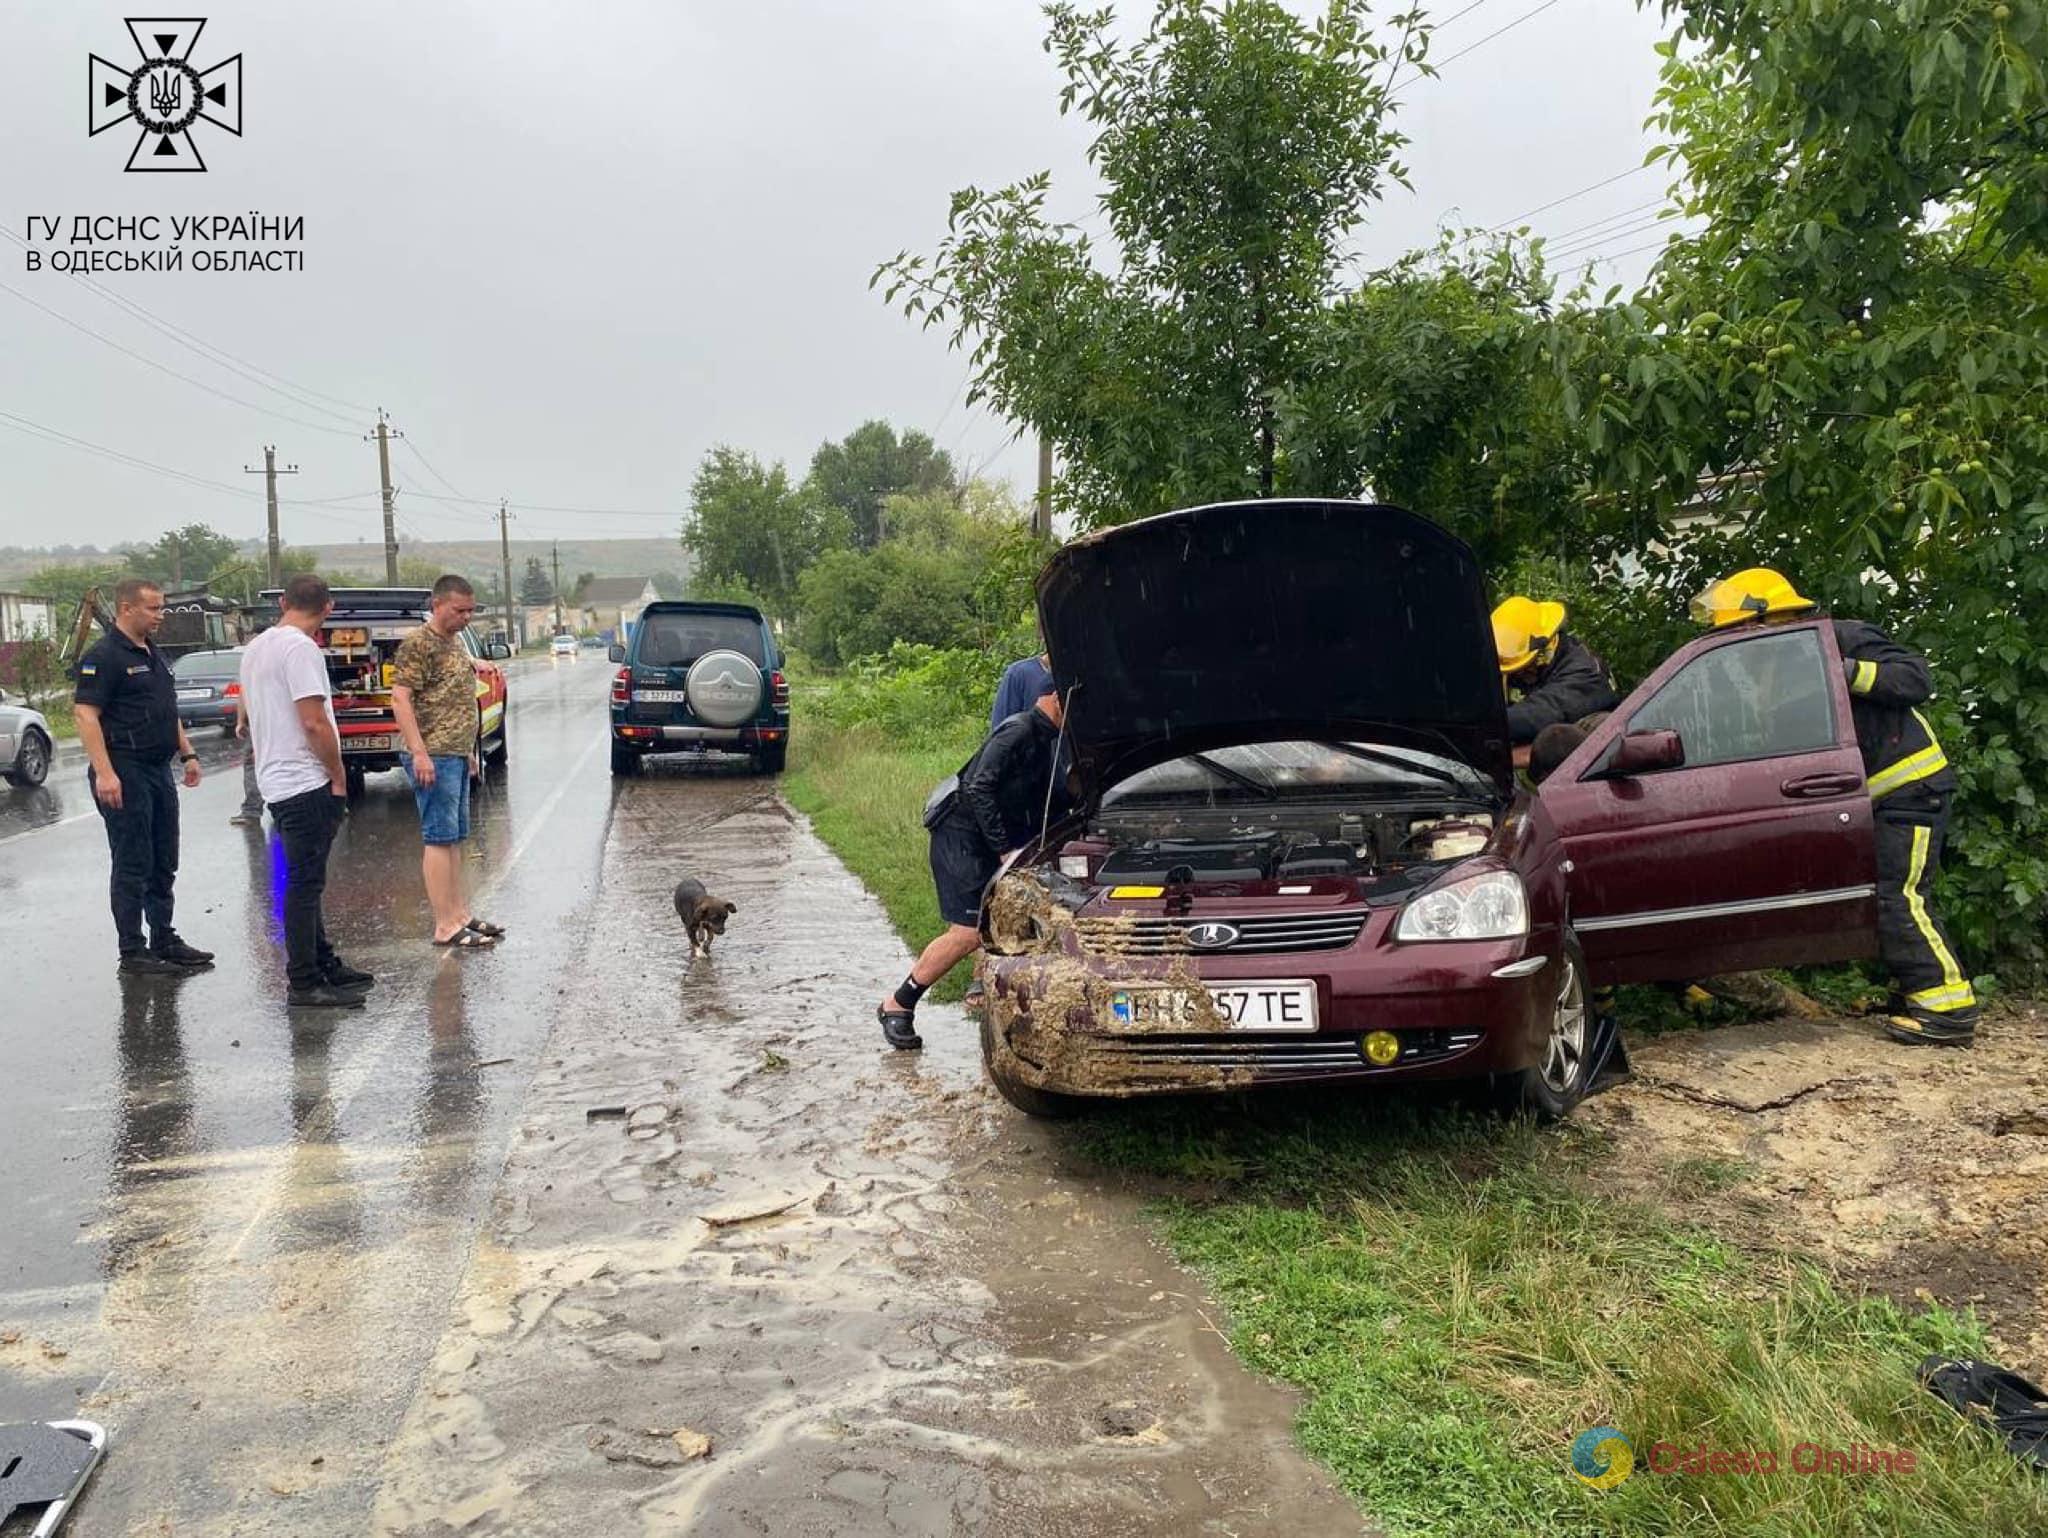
(702, 914)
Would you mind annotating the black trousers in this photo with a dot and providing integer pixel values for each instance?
(143, 839)
(1911, 825)
(306, 824)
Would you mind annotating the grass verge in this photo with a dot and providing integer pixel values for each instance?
(1458, 1300)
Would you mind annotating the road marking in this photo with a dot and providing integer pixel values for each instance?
(356, 1072)
(61, 822)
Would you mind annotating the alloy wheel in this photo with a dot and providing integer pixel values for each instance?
(1564, 1054)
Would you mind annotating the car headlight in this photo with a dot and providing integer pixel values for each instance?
(1488, 906)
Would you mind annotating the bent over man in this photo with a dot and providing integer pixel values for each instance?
(1911, 785)
(127, 709)
(1552, 677)
(998, 807)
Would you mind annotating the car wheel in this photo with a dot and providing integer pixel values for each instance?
(1559, 1078)
(625, 762)
(32, 763)
(353, 780)
(773, 760)
(1032, 1101)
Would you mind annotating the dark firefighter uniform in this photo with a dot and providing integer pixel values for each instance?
(1574, 684)
(1911, 784)
(132, 687)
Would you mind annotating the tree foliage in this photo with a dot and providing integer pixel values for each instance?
(1852, 355)
(535, 586)
(1238, 145)
(871, 464)
(748, 524)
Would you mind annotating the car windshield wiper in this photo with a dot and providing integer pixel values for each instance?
(1392, 761)
(1221, 772)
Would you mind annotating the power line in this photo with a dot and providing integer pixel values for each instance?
(197, 384)
(1573, 197)
(1496, 32)
(1564, 235)
(1595, 242)
(420, 455)
(208, 350)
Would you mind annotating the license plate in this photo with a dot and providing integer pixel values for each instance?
(1247, 1006)
(195, 694)
(348, 638)
(381, 742)
(660, 696)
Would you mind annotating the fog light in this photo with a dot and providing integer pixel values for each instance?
(1381, 1048)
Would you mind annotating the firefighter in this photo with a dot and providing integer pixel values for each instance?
(1910, 784)
(1551, 676)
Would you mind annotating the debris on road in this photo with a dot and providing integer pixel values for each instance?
(751, 1209)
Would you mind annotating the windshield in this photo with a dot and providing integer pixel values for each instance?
(670, 640)
(208, 665)
(1274, 771)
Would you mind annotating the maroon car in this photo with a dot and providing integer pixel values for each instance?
(1299, 851)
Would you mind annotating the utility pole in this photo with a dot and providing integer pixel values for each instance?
(1041, 518)
(558, 587)
(384, 436)
(270, 473)
(505, 551)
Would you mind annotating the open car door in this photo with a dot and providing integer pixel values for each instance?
(1718, 821)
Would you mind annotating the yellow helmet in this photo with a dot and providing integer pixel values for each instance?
(1525, 631)
(1751, 594)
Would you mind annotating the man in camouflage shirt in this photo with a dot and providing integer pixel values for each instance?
(433, 694)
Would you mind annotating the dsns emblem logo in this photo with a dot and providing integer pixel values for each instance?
(1602, 1457)
(165, 94)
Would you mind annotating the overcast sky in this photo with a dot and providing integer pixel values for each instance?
(569, 248)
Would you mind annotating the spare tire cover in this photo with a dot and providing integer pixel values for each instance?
(724, 688)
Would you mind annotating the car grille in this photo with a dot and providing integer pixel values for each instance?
(1266, 935)
(1276, 1055)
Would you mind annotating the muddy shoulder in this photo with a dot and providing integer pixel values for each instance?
(748, 1272)
(1919, 1173)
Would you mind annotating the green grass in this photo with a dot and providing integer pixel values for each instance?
(1457, 1298)
(865, 795)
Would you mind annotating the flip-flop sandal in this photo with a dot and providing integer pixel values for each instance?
(2016, 1409)
(467, 940)
(899, 1028)
(488, 930)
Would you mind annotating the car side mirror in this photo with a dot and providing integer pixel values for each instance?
(497, 651)
(1647, 752)
(617, 652)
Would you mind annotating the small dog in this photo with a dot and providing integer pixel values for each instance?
(702, 914)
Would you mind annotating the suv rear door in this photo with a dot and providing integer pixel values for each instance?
(1757, 851)
(667, 641)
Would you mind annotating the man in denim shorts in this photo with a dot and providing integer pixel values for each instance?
(433, 694)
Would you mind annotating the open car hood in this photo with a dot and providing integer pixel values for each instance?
(1260, 621)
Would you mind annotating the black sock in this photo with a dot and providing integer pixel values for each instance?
(909, 991)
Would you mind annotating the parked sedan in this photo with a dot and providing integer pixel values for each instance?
(209, 689)
(25, 744)
(1300, 851)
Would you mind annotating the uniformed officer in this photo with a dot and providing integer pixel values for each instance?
(1910, 784)
(127, 710)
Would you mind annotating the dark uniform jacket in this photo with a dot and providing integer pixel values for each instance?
(1003, 787)
(1886, 680)
(136, 696)
(1573, 684)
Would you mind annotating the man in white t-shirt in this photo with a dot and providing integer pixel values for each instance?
(289, 706)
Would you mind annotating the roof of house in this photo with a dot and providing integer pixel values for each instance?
(615, 589)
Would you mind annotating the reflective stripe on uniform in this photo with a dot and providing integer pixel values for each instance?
(1930, 760)
(1954, 991)
(1865, 679)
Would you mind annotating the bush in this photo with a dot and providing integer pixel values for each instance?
(919, 696)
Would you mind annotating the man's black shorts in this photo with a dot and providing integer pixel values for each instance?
(961, 866)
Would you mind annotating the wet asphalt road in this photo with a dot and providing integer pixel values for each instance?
(380, 1271)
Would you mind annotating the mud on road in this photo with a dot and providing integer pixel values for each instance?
(1919, 1172)
(747, 1272)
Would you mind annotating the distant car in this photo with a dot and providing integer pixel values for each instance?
(697, 678)
(592, 643)
(25, 744)
(562, 646)
(209, 689)
(360, 638)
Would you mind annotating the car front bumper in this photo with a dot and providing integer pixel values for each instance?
(1051, 1025)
